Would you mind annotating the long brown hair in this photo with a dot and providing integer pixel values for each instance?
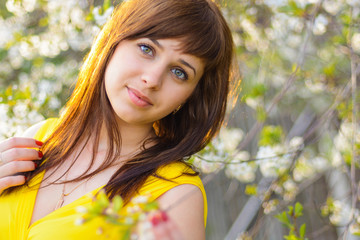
(204, 33)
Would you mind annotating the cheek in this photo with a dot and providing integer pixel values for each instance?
(109, 73)
(179, 97)
(113, 76)
(108, 84)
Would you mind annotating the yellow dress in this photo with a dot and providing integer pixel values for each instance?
(16, 209)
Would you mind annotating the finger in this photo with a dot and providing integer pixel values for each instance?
(12, 168)
(11, 181)
(20, 154)
(19, 142)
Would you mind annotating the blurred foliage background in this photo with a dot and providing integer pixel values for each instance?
(294, 134)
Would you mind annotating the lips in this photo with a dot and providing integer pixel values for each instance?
(138, 98)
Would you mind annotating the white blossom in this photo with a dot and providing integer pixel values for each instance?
(140, 199)
(81, 209)
(6, 32)
(336, 159)
(240, 169)
(270, 206)
(29, 5)
(320, 24)
(272, 164)
(231, 138)
(331, 6)
(343, 139)
(15, 7)
(254, 103)
(291, 190)
(79, 221)
(209, 164)
(355, 42)
(296, 143)
(101, 19)
(303, 169)
(144, 231)
(320, 163)
(341, 214)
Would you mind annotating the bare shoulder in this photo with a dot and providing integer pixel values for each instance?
(185, 206)
(31, 131)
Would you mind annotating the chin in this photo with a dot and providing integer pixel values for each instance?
(127, 118)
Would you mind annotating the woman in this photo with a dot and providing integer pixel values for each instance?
(151, 93)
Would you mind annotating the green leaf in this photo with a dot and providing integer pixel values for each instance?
(103, 200)
(346, 19)
(38, 62)
(4, 13)
(117, 203)
(8, 92)
(90, 16)
(291, 237)
(292, 9)
(112, 220)
(18, 36)
(43, 22)
(251, 189)
(283, 218)
(290, 210)
(345, 109)
(127, 234)
(298, 209)
(285, 9)
(261, 114)
(191, 159)
(3, 54)
(258, 90)
(106, 5)
(330, 70)
(271, 135)
(151, 206)
(22, 95)
(302, 230)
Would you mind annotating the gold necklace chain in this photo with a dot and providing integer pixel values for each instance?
(60, 202)
(63, 194)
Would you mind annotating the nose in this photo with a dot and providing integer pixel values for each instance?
(153, 75)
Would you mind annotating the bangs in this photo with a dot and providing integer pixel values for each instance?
(195, 23)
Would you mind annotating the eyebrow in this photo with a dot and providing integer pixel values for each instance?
(180, 60)
(157, 43)
(187, 64)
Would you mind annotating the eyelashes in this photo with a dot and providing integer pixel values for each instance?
(148, 50)
(179, 73)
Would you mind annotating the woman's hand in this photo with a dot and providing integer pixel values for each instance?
(158, 226)
(164, 228)
(16, 156)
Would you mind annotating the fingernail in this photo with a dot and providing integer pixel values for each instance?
(39, 143)
(40, 154)
(155, 220)
(164, 216)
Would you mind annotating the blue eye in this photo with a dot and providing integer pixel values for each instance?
(146, 49)
(179, 73)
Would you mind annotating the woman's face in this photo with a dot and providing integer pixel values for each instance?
(147, 79)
